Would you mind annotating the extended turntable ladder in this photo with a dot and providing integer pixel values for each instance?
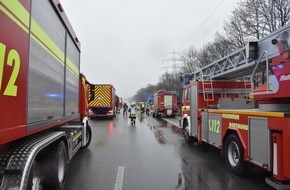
(233, 66)
(238, 65)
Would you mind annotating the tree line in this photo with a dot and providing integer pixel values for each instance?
(250, 20)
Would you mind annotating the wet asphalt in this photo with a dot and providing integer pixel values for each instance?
(152, 155)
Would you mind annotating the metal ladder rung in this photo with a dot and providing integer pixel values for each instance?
(248, 85)
(207, 88)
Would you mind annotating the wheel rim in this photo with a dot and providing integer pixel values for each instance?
(61, 167)
(36, 183)
(233, 154)
(36, 180)
(87, 135)
(186, 131)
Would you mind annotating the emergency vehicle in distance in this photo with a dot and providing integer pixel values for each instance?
(251, 127)
(102, 101)
(43, 96)
(165, 103)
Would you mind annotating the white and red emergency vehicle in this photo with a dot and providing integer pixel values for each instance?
(43, 96)
(252, 128)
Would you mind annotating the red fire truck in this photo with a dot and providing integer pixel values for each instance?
(43, 95)
(252, 129)
(225, 92)
(165, 103)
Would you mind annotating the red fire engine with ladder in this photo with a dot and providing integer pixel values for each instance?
(43, 96)
(249, 123)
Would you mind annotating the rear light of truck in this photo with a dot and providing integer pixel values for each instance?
(110, 112)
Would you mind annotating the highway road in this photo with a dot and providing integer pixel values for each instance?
(152, 155)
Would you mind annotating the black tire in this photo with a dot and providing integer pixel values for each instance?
(88, 136)
(153, 115)
(58, 168)
(234, 155)
(158, 115)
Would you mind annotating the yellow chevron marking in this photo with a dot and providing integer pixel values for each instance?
(102, 96)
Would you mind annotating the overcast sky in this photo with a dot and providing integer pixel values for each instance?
(127, 42)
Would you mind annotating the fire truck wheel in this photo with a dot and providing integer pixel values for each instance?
(234, 155)
(88, 136)
(35, 179)
(57, 174)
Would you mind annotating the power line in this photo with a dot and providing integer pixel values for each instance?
(203, 23)
(211, 27)
(197, 35)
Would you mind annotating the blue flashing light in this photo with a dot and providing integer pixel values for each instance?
(54, 95)
(279, 67)
(187, 79)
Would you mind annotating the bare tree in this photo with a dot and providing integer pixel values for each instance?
(275, 13)
(222, 45)
(253, 23)
(256, 18)
(234, 30)
(169, 82)
(141, 94)
(189, 60)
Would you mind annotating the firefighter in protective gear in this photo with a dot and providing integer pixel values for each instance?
(125, 109)
(142, 107)
(132, 110)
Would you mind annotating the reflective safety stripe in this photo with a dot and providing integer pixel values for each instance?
(20, 16)
(22, 23)
(40, 36)
(77, 136)
(248, 112)
(72, 67)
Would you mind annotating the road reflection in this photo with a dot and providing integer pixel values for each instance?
(159, 136)
(111, 128)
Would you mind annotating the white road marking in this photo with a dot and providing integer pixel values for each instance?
(119, 180)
